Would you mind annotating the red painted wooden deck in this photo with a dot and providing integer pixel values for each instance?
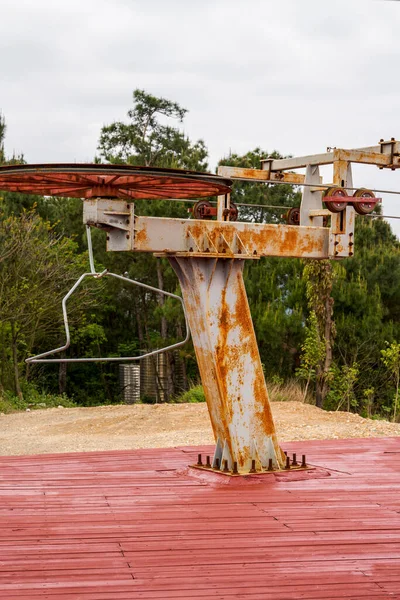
(137, 524)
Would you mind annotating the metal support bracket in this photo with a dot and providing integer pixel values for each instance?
(341, 236)
(311, 199)
(114, 216)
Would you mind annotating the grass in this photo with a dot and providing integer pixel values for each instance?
(33, 400)
(288, 391)
(279, 391)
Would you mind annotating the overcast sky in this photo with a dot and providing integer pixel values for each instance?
(294, 75)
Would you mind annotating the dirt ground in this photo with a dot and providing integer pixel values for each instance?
(144, 426)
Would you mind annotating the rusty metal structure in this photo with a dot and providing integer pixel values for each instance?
(208, 253)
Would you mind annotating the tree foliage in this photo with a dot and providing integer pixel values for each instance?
(2, 138)
(261, 194)
(312, 352)
(326, 322)
(147, 140)
(36, 269)
(391, 360)
(319, 278)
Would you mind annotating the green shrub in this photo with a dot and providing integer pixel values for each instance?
(194, 394)
(10, 403)
(33, 399)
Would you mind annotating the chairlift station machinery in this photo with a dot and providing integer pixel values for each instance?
(207, 253)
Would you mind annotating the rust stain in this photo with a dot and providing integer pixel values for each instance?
(273, 240)
(263, 415)
(250, 173)
(259, 387)
(223, 363)
(290, 240)
(141, 238)
(228, 357)
(197, 229)
(243, 456)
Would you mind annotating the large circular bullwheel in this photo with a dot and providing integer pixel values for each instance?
(110, 181)
(335, 192)
(364, 208)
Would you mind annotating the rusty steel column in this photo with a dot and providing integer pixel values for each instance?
(227, 354)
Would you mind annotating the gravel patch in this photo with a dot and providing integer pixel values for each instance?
(164, 425)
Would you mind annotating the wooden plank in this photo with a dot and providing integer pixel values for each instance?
(140, 524)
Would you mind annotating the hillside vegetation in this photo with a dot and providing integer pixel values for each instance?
(43, 250)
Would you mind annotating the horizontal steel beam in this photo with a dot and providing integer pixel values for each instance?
(260, 175)
(298, 162)
(226, 240)
(368, 158)
(382, 155)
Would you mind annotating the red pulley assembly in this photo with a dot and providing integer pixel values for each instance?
(335, 199)
(364, 208)
(203, 209)
(292, 216)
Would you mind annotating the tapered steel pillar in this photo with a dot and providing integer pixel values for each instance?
(229, 362)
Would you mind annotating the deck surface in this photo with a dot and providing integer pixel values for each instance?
(138, 524)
